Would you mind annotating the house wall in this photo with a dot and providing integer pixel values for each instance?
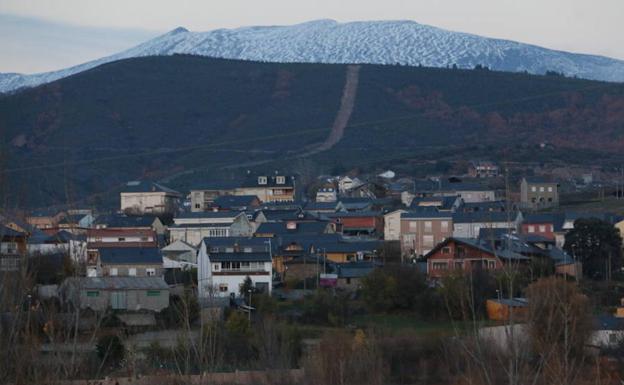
(392, 225)
(451, 255)
(419, 238)
(135, 299)
(209, 282)
(269, 193)
(471, 230)
(500, 312)
(149, 202)
(194, 235)
(544, 229)
(477, 196)
(538, 195)
(349, 283)
(361, 222)
(124, 270)
(571, 269)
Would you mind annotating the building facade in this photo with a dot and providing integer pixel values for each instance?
(422, 231)
(538, 193)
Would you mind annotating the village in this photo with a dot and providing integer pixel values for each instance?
(167, 262)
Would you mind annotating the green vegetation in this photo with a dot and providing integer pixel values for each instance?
(187, 117)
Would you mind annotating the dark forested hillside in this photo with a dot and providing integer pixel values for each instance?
(189, 119)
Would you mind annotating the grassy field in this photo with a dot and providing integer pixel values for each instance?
(395, 323)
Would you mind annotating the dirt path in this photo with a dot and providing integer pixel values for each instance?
(347, 103)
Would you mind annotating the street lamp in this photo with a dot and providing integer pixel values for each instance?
(249, 310)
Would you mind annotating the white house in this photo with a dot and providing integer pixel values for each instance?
(392, 225)
(180, 251)
(346, 183)
(326, 194)
(468, 225)
(221, 274)
(140, 197)
(193, 227)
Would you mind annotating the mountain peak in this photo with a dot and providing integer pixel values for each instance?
(177, 31)
(327, 41)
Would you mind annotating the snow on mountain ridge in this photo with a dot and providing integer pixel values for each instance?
(372, 42)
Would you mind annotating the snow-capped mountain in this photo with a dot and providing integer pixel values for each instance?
(373, 42)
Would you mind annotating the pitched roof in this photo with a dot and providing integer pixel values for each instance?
(118, 221)
(147, 186)
(540, 218)
(118, 283)
(538, 180)
(209, 214)
(120, 232)
(130, 255)
(426, 214)
(281, 228)
(355, 269)
(179, 245)
(314, 206)
(484, 217)
(227, 201)
(235, 241)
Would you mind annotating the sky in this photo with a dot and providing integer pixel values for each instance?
(44, 35)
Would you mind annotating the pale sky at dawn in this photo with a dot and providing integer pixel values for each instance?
(43, 35)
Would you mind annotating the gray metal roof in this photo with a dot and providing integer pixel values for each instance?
(119, 283)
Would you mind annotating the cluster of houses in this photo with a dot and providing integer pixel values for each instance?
(261, 230)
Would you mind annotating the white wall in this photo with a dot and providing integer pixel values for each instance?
(155, 202)
(392, 225)
(209, 283)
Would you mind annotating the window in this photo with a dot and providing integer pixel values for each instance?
(542, 229)
(550, 189)
(121, 239)
(461, 251)
(93, 293)
(247, 250)
(459, 265)
(229, 249)
(413, 225)
(197, 206)
(427, 240)
(348, 281)
(8, 247)
(428, 226)
(280, 180)
(223, 287)
(144, 239)
(439, 265)
(261, 180)
(153, 293)
(446, 250)
(214, 249)
(531, 229)
(132, 271)
(113, 271)
(491, 265)
(150, 272)
(549, 199)
(216, 267)
(444, 225)
(533, 188)
(542, 189)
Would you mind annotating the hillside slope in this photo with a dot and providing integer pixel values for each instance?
(366, 42)
(157, 117)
